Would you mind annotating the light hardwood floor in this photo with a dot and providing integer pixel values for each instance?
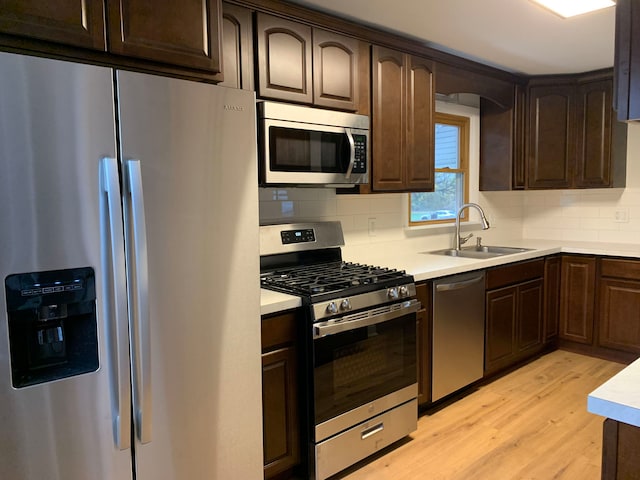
(530, 424)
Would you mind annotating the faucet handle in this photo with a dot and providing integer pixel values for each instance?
(463, 240)
(478, 241)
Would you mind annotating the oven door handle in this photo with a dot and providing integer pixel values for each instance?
(365, 319)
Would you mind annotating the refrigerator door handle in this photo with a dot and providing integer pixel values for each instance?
(138, 281)
(115, 286)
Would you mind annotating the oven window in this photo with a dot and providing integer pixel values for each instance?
(293, 150)
(358, 366)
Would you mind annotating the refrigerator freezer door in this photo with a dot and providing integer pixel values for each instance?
(56, 122)
(196, 144)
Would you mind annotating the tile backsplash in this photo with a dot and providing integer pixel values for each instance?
(606, 215)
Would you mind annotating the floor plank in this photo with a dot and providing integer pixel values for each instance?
(531, 424)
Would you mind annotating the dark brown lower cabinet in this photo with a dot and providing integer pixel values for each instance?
(577, 298)
(423, 332)
(514, 314)
(620, 459)
(280, 421)
(619, 301)
(552, 279)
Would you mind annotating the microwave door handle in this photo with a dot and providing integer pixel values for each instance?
(352, 149)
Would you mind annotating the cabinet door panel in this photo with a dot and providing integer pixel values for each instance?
(388, 145)
(530, 315)
(500, 328)
(550, 130)
(593, 142)
(237, 47)
(620, 314)
(577, 293)
(180, 33)
(279, 405)
(335, 70)
(72, 22)
(284, 59)
(551, 297)
(419, 159)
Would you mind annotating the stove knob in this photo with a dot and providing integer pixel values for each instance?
(392, 293)
(345, 304)
(332, 308)
(404, 291)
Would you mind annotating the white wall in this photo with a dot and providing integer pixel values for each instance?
(550, 214)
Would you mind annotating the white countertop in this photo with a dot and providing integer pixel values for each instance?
(619, 397)
(410, 257)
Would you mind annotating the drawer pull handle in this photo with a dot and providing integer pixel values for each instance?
(372, 431)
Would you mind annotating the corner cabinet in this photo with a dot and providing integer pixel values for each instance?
(280, 417)
(402, 121)
(572, 140)
(304, 64)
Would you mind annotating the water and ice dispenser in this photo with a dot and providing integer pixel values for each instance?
(52, 325)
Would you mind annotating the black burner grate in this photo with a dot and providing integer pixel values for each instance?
(326, 278)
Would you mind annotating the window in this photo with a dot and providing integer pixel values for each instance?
(451, 173)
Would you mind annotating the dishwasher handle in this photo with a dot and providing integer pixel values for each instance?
(444, 287)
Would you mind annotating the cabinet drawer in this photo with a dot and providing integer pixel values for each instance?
(515, 273)
(279, 329)
(611, 267)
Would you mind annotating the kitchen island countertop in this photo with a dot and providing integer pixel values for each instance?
(619, 397)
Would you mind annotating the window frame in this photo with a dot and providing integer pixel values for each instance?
(464, 125)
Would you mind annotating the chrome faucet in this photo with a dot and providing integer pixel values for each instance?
(485, 223)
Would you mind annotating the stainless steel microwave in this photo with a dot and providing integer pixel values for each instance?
(309, 146)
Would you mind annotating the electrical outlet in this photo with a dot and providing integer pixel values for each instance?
(372, 227)
(621, 215)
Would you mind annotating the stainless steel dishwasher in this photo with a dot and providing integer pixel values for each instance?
(458, 332)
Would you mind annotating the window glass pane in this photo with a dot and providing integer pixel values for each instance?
(447, 145)
(443, 202)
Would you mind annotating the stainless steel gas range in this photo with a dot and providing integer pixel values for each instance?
(358, 347)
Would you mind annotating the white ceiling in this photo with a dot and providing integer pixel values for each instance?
(515, 35)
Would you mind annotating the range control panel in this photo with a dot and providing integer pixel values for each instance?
(297, 236)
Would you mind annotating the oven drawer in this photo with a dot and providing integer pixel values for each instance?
(347, 448)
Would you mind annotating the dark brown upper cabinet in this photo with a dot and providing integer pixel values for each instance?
(627, 60)
(501, 156)
(298, 63)
(172, 38)
(335, 70)
(237, 47)
(78, 23)
(284, 59)
(185, 33)
(402, 121)
(572, 140)
(550, 136)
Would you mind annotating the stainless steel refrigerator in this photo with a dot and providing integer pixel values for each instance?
(130, 328)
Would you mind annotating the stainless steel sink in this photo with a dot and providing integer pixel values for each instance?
(484, 251)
